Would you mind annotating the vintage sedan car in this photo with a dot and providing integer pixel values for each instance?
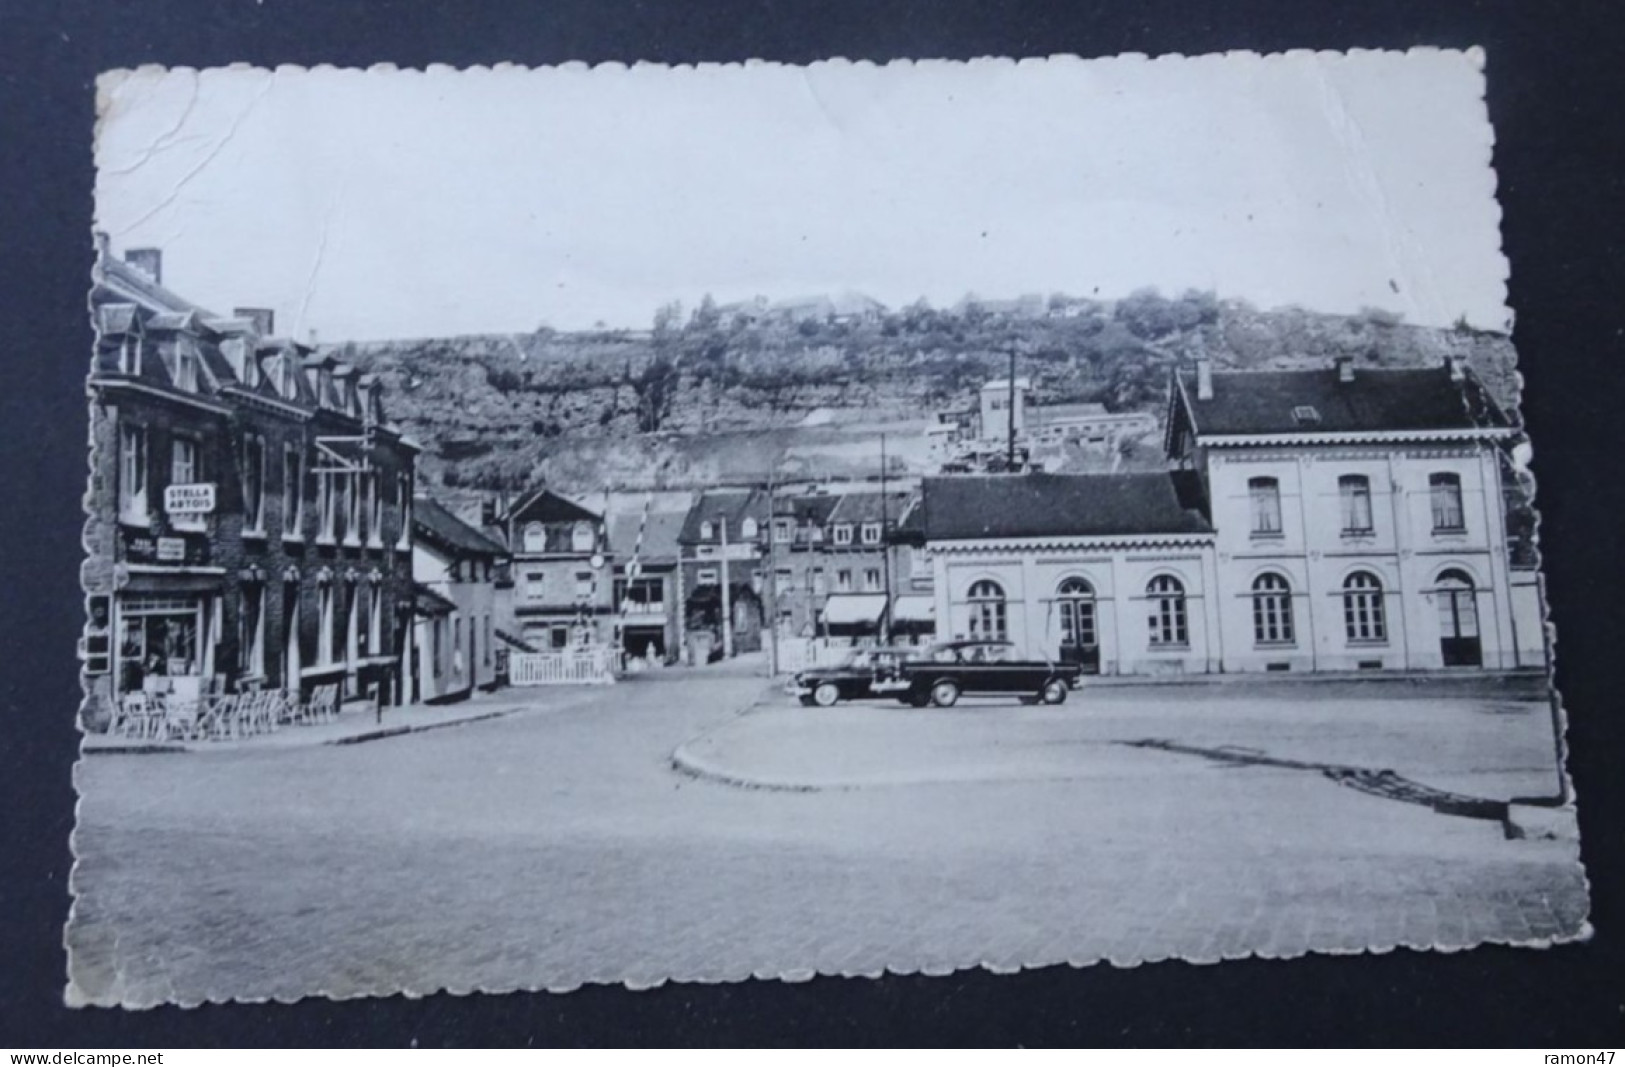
(861, 673)
(946, 671)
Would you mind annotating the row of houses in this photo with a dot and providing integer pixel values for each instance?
(1318, 520)
(253, 522)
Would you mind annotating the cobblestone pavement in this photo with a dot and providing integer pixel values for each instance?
(557, 847)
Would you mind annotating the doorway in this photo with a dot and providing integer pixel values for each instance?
(1080, 630)
(1459, 641)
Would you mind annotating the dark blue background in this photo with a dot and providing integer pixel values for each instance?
(1555, 96)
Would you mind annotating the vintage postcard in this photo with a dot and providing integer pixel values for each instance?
(643, 524)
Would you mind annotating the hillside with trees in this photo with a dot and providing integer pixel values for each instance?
(594, 408)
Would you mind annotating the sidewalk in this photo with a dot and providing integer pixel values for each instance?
(358, 724)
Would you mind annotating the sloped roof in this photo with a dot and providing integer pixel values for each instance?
(546, 506)
(433, 523)
(731, 504)
(974, 506)
(660, 535)
(865, 506)
(429, 602)
(814, 508)
(1265, 402)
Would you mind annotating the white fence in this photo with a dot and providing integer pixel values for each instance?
(572, 666)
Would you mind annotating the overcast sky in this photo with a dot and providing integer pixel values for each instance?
(407, 204)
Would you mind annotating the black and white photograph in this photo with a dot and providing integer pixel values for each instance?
(630, 524)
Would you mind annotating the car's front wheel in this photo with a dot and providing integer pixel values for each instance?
(826, 695)
(917, 700)
(945, 694)
(1054, 692)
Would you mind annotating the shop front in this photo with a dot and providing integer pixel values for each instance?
(168, 629)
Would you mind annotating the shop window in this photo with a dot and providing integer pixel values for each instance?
(1169, 626)
(1445, 491)
(1354, 493)
(1364, 617)
(1272, 610)
(1264, 496)
(251, 631)
(988, 615)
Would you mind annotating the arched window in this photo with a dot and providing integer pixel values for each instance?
(1354, 491)
(707, 530)
(1445, 490)
(582, 538)
(1272, 610)
(748, 529)
(1363, 609)
(1264, 496)
(1168, 624)
(1075, 602)
(1458, 608)
(535, 538)
(987, 611)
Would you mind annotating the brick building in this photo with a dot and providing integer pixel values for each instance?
(248, 514)
(562, 591)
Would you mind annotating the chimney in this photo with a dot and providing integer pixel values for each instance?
(264, 319)
(149, 261)
(1204, 379)
(1458, 374)
(1345, 369)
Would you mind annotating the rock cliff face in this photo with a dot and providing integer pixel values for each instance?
(704, 398)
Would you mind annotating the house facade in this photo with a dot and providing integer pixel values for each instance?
(1325, 520)
(1361, 518)
(563, 591)
(722, 571)
(647, 604)
(249, 512)
(454, 635)
(1112, 572)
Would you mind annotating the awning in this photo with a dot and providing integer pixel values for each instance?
(854, 609)
(915, 607)
(428, 602)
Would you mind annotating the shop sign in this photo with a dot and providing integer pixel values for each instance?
(142, 547)
(195, 498)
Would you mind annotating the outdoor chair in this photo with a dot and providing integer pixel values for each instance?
(217, 716)
(323, 706)
(136, 715)
(181, 719)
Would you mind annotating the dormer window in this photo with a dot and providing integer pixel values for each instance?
(707, 530)
(748, 529)
(843, 534)
(129, 354)
(187, 367)
(582, 538)
(871, 533)
(1306, 415)
(535, 538)
(251, 368)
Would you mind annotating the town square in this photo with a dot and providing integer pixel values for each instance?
(739, 624)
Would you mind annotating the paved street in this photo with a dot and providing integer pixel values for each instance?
(558, 845)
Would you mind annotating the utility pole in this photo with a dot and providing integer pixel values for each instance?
(885, 547)
(772, 573)
(727, 598)
(1010, 414)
